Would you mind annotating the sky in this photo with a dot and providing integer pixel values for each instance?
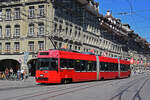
(136, 13)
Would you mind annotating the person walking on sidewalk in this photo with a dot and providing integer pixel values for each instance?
(25, 74)
(18, 74)
(22, 74)
(7, 73)
(11, 71)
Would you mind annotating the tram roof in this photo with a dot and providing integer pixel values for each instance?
(70, 54)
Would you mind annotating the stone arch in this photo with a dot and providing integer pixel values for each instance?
(9, 63)
(32, 66)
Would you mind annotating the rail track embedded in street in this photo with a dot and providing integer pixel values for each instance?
(61, 91)
(131, 84)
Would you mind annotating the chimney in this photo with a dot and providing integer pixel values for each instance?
(108, 13)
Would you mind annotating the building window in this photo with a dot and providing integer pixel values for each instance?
(41, 29)
(0, 47)
(8, 14)
(7, 47)
(75, 34)
(60, 45)
(0, 15)
(31, 12)
(17, 31)
(31, 29)
(41, 45)
(17, 13)
(55, 43)
(55, 27)
(79, 34)
(16, 46)
(75, 47)
(70, 46)
(31, 46)
(79, 48)
(8, 31)
(70, 32)
(66, 30)
(41, 11)
(0, 31)
(60, 27)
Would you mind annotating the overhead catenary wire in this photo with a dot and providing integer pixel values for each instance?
(133, 19)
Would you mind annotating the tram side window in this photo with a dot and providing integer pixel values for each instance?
(83, 65)
(54, 64)
(91, 66)
(115, 67)
(123, 67)
(70, 63)
(104, 66)
(110, 66)
(77, 65)
(63, 63)
(66, 63)
(128, 66)
(94, 66)
(80, 65)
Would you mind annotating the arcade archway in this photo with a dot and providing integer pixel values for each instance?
(9, 63)
(32, 66)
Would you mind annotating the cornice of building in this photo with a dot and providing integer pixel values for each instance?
(115, 24)
(124, 30)
(90, 5)
(10, 3)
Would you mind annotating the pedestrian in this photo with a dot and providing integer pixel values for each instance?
(7, 73)
(22, 74)
(25, 74)
(18, 74)
(1, 75)
(11, 71)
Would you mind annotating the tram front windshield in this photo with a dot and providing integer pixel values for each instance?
(47, 64)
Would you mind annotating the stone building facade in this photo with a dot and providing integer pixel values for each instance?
(23, 28)
(76, 24)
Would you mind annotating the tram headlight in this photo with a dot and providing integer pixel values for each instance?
(41, 75)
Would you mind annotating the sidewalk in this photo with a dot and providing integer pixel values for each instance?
(17, 84)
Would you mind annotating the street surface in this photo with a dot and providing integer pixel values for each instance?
(137, 87)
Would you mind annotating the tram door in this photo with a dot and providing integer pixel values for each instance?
(118, 68)
(98, 67)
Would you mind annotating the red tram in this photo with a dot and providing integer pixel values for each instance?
(57, 66)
